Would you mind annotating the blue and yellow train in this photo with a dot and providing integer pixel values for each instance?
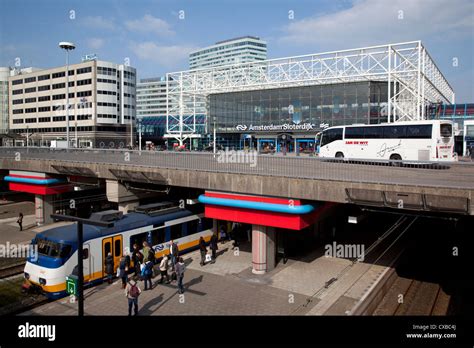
(57, 247)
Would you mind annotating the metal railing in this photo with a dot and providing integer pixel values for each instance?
(430, 174)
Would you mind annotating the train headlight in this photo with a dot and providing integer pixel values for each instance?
(27, 275)
(42, 281)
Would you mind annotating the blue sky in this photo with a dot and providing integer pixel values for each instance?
(155, 40)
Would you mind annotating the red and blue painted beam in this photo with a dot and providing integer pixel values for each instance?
(36, 183)
(266, 211)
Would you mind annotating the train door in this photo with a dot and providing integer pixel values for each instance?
(86, 263)
(112, 245)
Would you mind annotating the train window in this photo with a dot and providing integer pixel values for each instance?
(158, 236)
(85, 254)
(117, 248)
(207, 224)
(193, 226)
(139, 239)
(106, 248)
(65, 250)
(176, 231)
(48, 248)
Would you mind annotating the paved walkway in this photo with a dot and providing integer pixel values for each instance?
(209, 290)
(228, 287)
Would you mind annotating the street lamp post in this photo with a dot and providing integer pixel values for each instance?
(68, 46)
(27, 137)
(139, 124)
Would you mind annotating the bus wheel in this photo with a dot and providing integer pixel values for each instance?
(396, 160)
(339, 155)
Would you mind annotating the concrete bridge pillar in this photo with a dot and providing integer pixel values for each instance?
(43, 209)
(118, 193)
(263, 249)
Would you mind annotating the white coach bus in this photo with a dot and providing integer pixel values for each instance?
(411, 141)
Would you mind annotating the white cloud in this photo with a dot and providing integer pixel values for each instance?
(370, 22)
(150, 24)
(167, 56)
(95, 43)
(99, 22)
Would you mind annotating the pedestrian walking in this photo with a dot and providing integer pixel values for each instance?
(164, 270)
(180, 268)
(174, 252)
(123, 270)
(109, 267)
(213, 246)
(20, 221)
(132, 291)
(203, 250)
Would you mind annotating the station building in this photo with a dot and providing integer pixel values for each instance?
(282, 104)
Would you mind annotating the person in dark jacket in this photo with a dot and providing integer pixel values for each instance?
(203, 250)
(20, 221)
(123, 271)
(174, 253)
(180, 268)
(137, 258)
(147, 273)
(213, 246)
(109, 267)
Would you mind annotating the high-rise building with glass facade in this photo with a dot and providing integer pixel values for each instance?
(233, 51)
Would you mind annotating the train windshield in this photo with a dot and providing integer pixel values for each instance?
(52, 249)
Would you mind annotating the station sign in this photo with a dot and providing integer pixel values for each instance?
(277, 127)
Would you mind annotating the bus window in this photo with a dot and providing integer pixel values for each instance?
(394, 132)
(331, 135)
(446, 130)
(419, 131)
(373, 132)
(354, 133)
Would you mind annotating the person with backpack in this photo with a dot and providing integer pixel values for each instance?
(109, 267)
(180, 268)
(203, 250)
(147, 273)
(164, 270)
(213, 246)
(132, 291)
